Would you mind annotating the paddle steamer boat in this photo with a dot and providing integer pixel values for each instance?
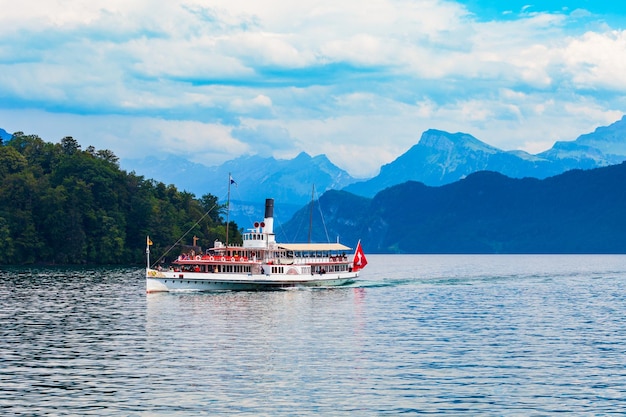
(260, 263)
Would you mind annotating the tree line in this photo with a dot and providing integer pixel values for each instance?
(60, 204)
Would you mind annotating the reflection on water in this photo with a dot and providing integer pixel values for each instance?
(257, 350)
(521, 335)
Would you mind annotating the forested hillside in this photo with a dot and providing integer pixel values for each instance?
(63, 205)
(580, 211)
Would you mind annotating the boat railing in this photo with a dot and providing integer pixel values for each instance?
(320, 260)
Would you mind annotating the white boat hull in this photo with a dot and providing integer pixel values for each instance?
(163, 281)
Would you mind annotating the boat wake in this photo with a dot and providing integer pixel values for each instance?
(383, 283)
(435, 281)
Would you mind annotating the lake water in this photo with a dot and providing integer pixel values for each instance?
(417, 335)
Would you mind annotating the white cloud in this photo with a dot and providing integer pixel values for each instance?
(246, 106)
(597, 60)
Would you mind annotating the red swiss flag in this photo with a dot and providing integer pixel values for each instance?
(359, 258)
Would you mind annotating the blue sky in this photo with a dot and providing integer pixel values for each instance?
(357, 81)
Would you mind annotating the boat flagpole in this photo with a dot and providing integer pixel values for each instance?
(230, 181)
(148, 243)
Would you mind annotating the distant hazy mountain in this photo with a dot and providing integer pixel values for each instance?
(289, 182)
(441, 158)
(580, 211)
(438, 158)
(610, 140)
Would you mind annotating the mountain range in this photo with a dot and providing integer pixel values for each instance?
(438, 158)
(290, 181)
(442, 158)
(580, 211)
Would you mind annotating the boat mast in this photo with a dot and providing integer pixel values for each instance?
(230, 180)
(311, 211)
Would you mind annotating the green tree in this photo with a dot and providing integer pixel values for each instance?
(11, 161)
(69, 145)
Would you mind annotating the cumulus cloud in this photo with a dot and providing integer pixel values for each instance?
(597, 60)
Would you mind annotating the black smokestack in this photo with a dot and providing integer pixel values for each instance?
(269, 208)
(269, 216)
